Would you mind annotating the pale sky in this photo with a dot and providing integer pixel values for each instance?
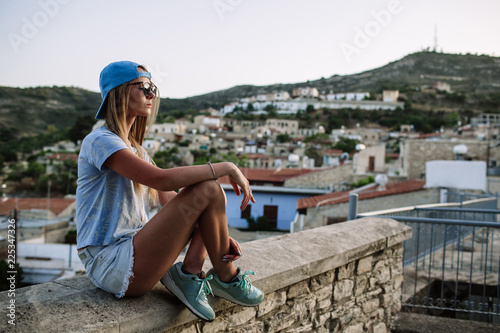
(194, 47)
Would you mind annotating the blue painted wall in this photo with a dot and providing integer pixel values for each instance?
(286, 202)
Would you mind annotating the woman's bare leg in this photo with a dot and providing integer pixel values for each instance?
(196, 254)
(158, 244)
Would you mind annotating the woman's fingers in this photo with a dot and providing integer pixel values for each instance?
(235, 251)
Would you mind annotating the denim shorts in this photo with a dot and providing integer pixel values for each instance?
(110, 267)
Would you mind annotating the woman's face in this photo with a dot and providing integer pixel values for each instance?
(139, 104)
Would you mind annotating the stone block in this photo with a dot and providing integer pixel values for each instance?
(372, 282)
(357, 328)
(380, 328)
(324, 293)
(364, 265)
(343, 289)
(396, 269)
(370, 305)
(384, 275)
(324, 304)
(320, 320)
(379, 265)
(361, 283)
(280, 321)
(346, 271)
(218, 325)
(250, 327)
(385, 299)
(299, 329)
(271, 302)
(304, 305)
(322, 280)
(298, 289)
(398, 280)
(242, 316)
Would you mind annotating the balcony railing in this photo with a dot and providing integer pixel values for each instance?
(452, 262)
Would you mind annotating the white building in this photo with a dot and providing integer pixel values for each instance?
(349, 96)
(305, 92)
(390, 96)
(166, 128)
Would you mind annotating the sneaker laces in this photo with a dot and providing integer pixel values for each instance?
(205, 287)
(244, 282)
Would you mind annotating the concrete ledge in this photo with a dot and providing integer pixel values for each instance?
(76, 305)
(416, 323)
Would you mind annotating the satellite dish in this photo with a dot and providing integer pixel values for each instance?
(360, 146)
(460, 149)
(293, 158)
(381, 179)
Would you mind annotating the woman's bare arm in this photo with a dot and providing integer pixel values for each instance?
(127, 164)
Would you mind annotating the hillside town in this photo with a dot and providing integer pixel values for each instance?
(302, 178)
(279, 156)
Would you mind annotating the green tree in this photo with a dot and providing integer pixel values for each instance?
(318, 138)
(168, 158)
(310, 109)
(34, 170)
(16, 173)
(261, 224)
(81, 127)
(313, 152)
(283, 137)
(408, 105)
(346, 145)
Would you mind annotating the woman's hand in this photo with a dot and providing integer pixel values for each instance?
(235, 251)
(240, 185)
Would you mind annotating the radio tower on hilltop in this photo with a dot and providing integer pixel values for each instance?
(435, 37)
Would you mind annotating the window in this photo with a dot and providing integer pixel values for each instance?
(247, 212)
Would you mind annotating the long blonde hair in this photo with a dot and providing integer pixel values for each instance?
(115, 119)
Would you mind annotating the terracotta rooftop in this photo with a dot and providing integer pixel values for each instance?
(269, 175)
(342, 197)
(63, 157)
(334, 151)
(56, 205)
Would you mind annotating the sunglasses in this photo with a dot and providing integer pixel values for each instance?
(147, 87)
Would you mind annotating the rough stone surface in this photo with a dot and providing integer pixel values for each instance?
(311, 279)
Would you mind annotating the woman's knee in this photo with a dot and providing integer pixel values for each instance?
(207, 193)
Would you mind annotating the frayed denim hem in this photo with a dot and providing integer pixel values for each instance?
(130, 273)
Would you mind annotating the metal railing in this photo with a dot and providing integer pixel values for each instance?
(452, 261)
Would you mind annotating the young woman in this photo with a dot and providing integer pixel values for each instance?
(125, 252)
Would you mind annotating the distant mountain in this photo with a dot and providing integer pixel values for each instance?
(30, 110)
(465, 73)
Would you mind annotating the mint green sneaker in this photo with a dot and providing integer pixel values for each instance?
(191, 290)
(239, 290)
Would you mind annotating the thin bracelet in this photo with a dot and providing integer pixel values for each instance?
(213, 171)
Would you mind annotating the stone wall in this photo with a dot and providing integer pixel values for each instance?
(340, 212)
(321, 179)
(414, 154)
(340, 278)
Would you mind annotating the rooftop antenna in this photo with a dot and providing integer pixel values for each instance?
(435, 37)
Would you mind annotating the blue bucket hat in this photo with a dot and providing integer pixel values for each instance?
(114, 75)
